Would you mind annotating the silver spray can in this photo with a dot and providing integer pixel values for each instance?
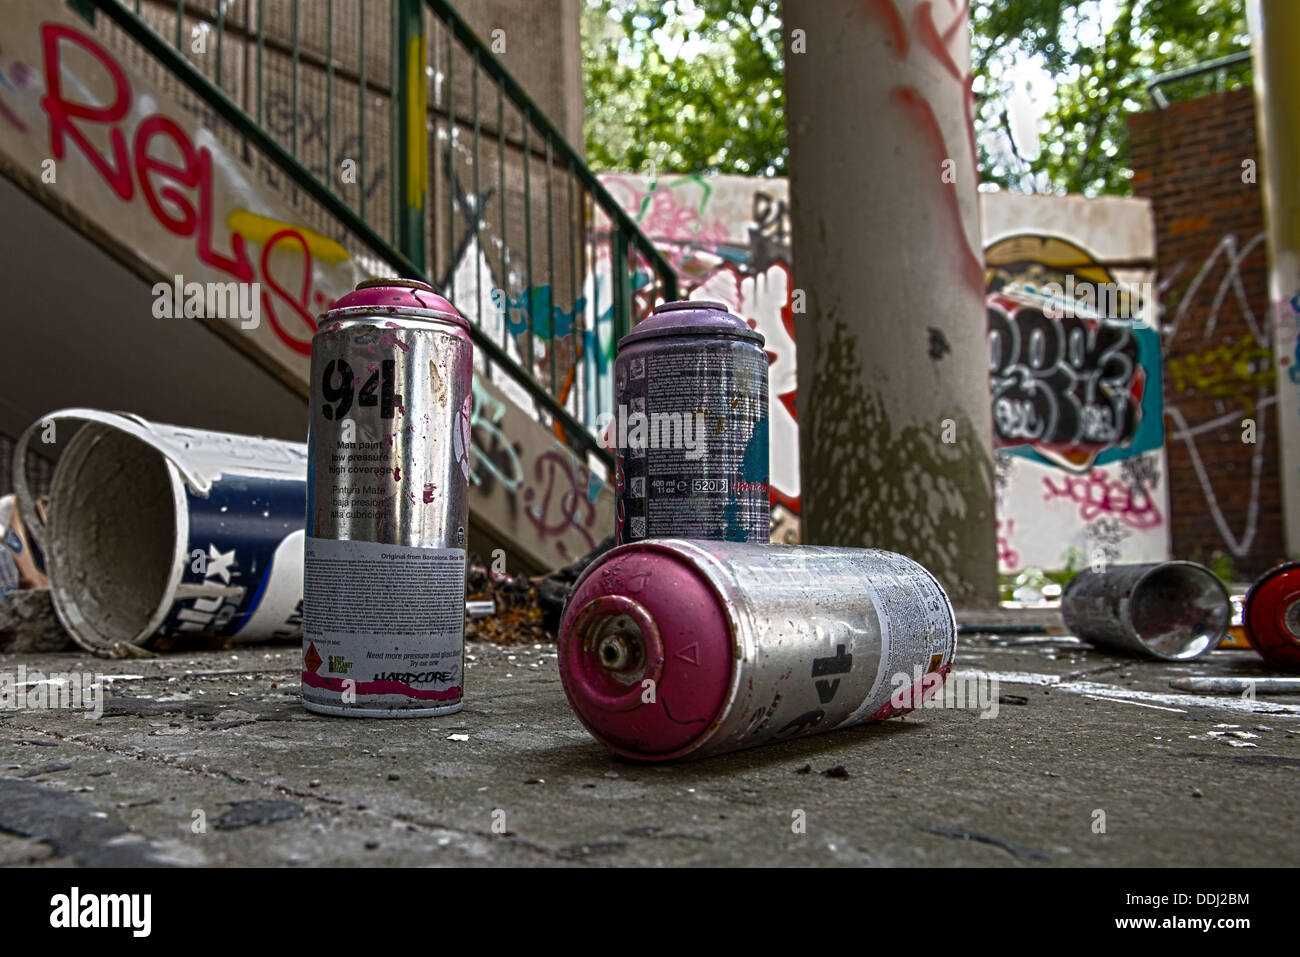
(1173, 611)
(690, 427)
(387, 481)
(673, 648)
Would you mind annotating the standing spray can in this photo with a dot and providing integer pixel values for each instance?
(387, 481)
(690, 427)
(1271, 615)
(673, 648)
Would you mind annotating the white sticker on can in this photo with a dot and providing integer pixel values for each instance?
(383, 619)
(461, 435)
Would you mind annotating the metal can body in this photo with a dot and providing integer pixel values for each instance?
(674, 648)
(1174, 611)
(1271, 616)
(691, 428)
(387, 510)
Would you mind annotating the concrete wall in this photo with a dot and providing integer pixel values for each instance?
(1218, 327)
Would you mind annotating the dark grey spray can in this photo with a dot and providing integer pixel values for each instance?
(690, 427)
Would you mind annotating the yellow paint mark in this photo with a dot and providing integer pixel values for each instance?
(261, 228)
(417, 171)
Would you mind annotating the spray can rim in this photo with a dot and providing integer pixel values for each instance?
(405, 298)
(692, 317)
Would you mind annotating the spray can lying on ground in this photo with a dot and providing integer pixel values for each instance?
(156, 530)
(387, 507)
(1173, 611)
(690, 429)
(1271, 615)
(673, 648)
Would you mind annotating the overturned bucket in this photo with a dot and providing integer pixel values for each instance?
(1168, 610)
(158, 530)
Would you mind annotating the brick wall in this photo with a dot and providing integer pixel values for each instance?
(1212, 271)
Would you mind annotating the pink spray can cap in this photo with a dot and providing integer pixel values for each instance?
(380, 294)
(642, 615)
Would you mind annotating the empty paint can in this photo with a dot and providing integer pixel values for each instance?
(160, 531)
(1169, 610)
(387, 507)
(673, 648)
(1271, 616)
(690, 428)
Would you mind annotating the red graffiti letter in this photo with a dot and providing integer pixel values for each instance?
(238, 266)
(187, 175)
(62, 112)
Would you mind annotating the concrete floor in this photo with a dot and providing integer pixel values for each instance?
(219, 739)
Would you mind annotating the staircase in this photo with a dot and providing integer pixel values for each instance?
(306, 146)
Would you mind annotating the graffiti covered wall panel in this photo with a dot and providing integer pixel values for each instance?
(1075, 381)
(728, 237)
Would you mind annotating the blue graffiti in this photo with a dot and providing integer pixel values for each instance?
(534, 309)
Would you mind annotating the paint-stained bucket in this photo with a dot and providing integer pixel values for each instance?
(1174, 611)
(156, 530)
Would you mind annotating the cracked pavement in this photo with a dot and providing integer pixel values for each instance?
(219, 739)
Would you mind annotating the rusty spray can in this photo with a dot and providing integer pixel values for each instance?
(1174, 611)
(673, 648)
(387, 482)
(690, 427)
(1271, 616)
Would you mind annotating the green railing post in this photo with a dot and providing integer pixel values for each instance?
(621, 273)
(412, 165)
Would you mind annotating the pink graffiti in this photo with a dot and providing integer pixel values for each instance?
(563, 504)
(1097, 494)
(675, 223)
(1008, 557)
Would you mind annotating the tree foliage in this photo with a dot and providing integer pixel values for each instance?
(1100, 56)
(697, 85)
(684, 85)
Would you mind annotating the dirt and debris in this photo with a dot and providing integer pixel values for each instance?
(528, 609)
(256, 813)
(28, 622)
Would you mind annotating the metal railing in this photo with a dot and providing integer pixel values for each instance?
(1221, 69)
(473, 189)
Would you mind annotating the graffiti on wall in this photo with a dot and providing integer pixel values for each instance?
(926, 43)
(143, 169)
(137, 165)
(1076, 407)
(1238, 374)
(535, 479)
(1067, 388)
(728, 237)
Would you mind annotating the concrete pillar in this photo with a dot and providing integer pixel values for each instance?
(895, 433)
(1275, 28)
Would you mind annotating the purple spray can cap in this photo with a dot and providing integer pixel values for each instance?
(691, 317)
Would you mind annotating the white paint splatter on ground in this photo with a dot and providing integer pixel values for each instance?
(1171, 702)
